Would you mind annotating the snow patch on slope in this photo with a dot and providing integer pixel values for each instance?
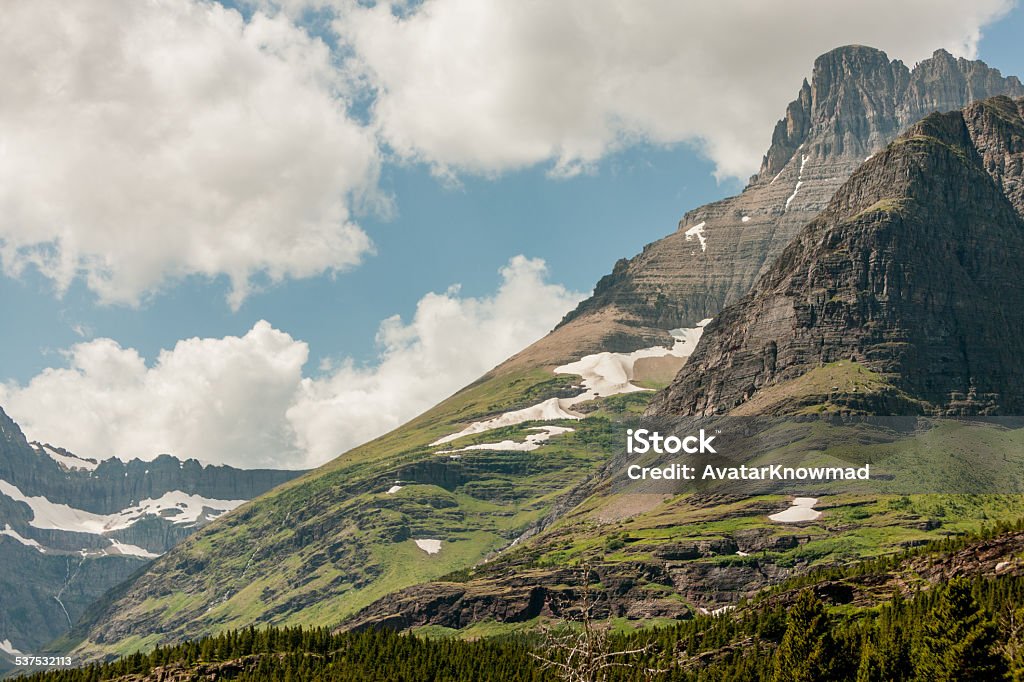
(28, 542)
(801, 510)
(793, 195)
(698, 232)
(549, 410)
(53, 516)
(131, 550)
(532, 442)
(604, 374)
(69, 461)
(799, 180)
(179, 508)
(429, 546)
(8, 648)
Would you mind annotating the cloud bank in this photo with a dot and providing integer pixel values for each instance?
(143, 142)
(489, 85)
(245, 400)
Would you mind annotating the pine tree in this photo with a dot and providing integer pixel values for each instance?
(957, 640)
(885, 649)
(807, 649)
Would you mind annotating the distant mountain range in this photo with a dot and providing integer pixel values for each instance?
(871, 267)
(72, 528)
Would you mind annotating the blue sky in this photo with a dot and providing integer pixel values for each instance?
(459, 212)
(439, 237)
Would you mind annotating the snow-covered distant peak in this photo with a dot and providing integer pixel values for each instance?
(178, 507)
(175, 506)
(68, 460)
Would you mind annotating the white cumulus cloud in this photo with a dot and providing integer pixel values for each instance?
(142, 142)
(490, 85)
(245, 400)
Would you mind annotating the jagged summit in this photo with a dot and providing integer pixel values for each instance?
(913, 272)
(858, 100)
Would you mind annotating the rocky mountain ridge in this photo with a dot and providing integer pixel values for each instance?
(71, 528)
(856, 102)
(913, 271)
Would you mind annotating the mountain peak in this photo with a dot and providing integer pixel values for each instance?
(855, 102)
(851, 55)
(911, 274)
(9, 430)
(858, 100)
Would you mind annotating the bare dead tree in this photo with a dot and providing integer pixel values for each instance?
(583, 651)
(1012, 623)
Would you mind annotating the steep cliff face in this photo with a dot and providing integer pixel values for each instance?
(912, 271)
(859, 101)
(72, 528)
(856, 102)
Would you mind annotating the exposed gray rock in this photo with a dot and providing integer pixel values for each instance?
(47, 586)
(913, 271)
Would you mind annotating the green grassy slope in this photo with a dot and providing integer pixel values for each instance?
(321, 547)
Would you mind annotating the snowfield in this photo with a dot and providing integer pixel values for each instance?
(429, 546)
(532, 442)
(28, 542)
(53, 516)
(130, 550)
(69, 461)
(8, 648)
(603, 374)
(607, 373)
(185, 508)
(548, 410)
(802, 510)
(799, 179)
(698, 232)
